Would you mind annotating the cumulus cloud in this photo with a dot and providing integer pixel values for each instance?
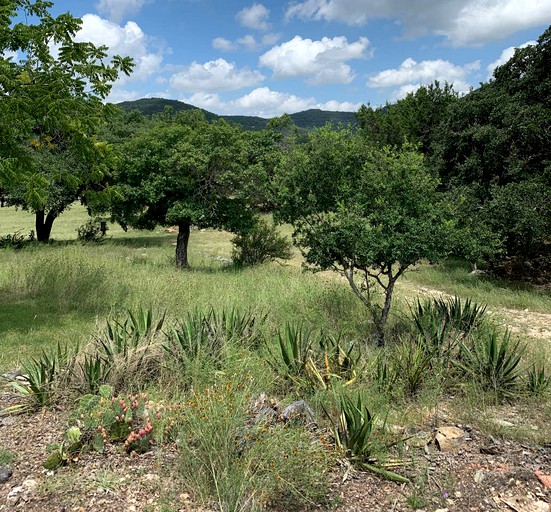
(505, 56)
(248, 42)
(221, 43)
(411, 74)
(263, 102)
(321, 61)
(215, 75)
(128, 40)
(461, 22)
(116, 10)
(255, 17)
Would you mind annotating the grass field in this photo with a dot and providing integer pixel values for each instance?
(57, 292)
(65, 292)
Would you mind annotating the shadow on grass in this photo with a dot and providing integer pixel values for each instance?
(142, 241)
(460, 272)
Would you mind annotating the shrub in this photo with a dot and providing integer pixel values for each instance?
(91, 231)
(14, 241)
(261, 244)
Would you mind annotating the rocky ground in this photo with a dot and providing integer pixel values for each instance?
(452, 468)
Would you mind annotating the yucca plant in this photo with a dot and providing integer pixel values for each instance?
(202, 336)
(129, 348)
(95, 371)
(493, 360)
(353, 433)
(413, 363)
(242, 327)
(538, 381)
(295, 345)
(43, 375)
(386, 373)
(336, 361)
(461, 315)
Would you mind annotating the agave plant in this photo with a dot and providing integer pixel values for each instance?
(493, 360)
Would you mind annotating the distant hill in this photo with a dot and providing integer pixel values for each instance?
(307, 120)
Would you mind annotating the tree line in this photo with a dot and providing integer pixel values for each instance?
(432, 175)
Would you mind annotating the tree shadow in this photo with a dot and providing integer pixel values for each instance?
(138, 242)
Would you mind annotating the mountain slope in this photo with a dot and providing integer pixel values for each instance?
(306, 120)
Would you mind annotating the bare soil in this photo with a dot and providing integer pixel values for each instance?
(481, 474)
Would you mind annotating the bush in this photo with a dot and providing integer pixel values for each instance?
(263, 243)
(91, 231)
(15, 241)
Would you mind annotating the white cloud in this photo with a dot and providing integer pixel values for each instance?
(263, 102)
(247, 42)
(411, 74)
(128, 40)
(486, 20)
(221, 43)
(505, 56)
(215, 75)
(462, 22)
(270, 39)
(116, 10)
(255, 17)
(321, 61)
(8, 54)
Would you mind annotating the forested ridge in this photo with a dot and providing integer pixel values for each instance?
(307, 119)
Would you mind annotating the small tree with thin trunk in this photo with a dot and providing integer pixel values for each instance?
(369, 214)
(184, 171)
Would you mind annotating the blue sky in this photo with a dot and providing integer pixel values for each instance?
(269, 57)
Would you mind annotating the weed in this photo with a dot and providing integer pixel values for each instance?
(6, 457)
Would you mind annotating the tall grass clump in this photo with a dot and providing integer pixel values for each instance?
(234, 462)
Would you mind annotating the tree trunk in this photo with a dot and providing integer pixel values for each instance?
(43, 225)
(181, 245)
(380, 323)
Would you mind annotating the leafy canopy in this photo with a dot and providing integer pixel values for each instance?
(51, 92)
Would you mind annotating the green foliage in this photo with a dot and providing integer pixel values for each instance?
(67, 280)
(44, 376)
(90, 232)
(539, 380)
(199, 342)
(353, 433)
(295, 344)
(413, 119)
(495, 141)
(462, 315)
(185, 171)
(367, 213)
(262, 243)
(6, 457)
(49, 160)
(492, 360)
(127, 352)
(15, 241)
(241, 465)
